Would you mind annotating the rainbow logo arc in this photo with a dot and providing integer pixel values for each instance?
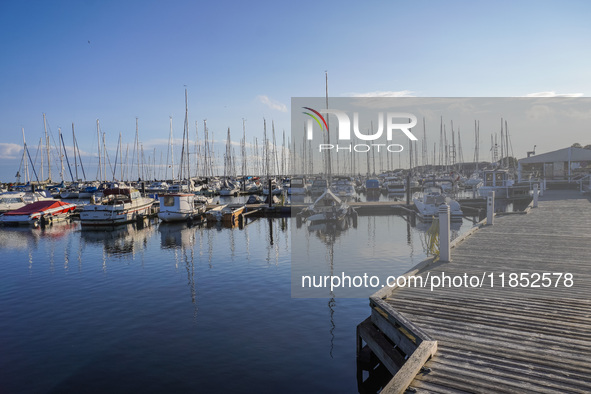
(316, 118)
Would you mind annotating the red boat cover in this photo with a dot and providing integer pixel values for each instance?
(39, 206)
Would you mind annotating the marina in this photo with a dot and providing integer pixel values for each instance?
(295, 197)
(145, 265)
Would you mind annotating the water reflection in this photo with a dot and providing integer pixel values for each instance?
(328, 232)
(121, 240)
(181, 239)
(176, 235)
(25, 237)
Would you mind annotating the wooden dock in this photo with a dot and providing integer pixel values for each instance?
(509, 340)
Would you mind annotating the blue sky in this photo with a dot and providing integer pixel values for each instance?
(115, 61)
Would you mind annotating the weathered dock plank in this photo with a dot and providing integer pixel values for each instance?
(510, 339)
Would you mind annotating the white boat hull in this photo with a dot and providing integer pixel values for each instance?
(97, 215)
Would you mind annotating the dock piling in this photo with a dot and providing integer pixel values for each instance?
(535, 196)
(490, 208)
(444, 244)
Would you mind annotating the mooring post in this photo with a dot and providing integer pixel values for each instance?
(541, 189)
(444, 244)
(545, 188)
(535, 195)
(408, 189)
(490, 208)
(270, 194)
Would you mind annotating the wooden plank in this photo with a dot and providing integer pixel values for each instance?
(405, 343)
(411, 368)
(397, 318)
(381, 347)
(526, 371)
(387, 291)
(490, 378)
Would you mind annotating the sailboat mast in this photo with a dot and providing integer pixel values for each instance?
(59, 130)
(186, 133)
(47, 149)
(137, 147)
(206, 166)
(75, 158)
(104, 158)
(197, 150)
(98, 139)
(243, 147)
(171, 146)
(328, 162)
(120, 158)
(27, 178)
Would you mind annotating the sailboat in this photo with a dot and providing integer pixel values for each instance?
(229, 187)
(327, 208)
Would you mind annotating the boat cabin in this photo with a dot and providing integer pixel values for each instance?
(497, 178)
(297, 183)
(120, 195)
(176, 202)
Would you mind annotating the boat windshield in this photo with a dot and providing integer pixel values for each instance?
(10, 200)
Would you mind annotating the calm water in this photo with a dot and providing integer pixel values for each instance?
(172, 308)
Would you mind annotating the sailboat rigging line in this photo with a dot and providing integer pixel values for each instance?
(66, 154)
(32, 165)
(79, 157)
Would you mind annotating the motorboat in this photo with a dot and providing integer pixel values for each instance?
(474, 182)
(372, 186)
(179, 207)
(501, 183)
(275, 188)
(344, 188)
(318, 187)
(432, 198)
(297, 186)
(231, 212)
(119, 204)
(395, 185)
(88, 190)
(39, 213)
(157, 187)
(9, 201)
(180, 187)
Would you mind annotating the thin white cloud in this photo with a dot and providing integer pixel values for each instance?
(276, 105)
(381, 93)
(10, 151)
(554, 94)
